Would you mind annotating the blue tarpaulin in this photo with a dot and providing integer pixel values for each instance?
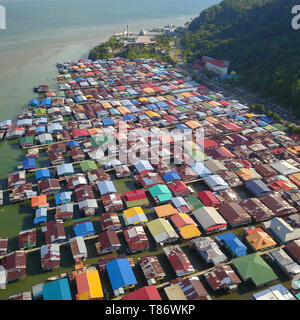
(63, 197)
(34, 103)
(46, 102)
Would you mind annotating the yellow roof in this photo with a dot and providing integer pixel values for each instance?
(249, 115)
(212, 120)
(149, 90)
(89, 285)
(214, 103)
(246, 174)
(296, 175)
(143, 99)
(260, 240)
(152, 114)
(94, 284)
(93, 131)
(133, 211)
(189, 231)
(160, 225)
(106, 105)
(193, 124)
(165, 210)
(187, 94)
(124, 110)
(294, 149)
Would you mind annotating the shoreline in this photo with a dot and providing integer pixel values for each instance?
(41, 66)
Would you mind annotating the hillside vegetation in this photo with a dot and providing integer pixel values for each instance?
(114, 48)
(256, 35)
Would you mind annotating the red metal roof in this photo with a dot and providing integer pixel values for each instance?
(134, 195)
(145, 293)
(208, 199)
(80, 133)
(108, 239)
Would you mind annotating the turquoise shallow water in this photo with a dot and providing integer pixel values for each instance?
(40, 32)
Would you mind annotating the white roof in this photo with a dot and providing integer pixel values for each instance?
(208, 217)
(216, 182)
(284, 167)
(89, 203)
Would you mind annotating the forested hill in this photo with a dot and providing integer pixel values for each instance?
(256, 35)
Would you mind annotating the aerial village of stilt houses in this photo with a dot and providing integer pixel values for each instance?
(173, 217)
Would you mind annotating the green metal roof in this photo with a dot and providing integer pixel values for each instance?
(40, 112)
(182, 109)
(99, 141)
(253, 267)
(88, 165)
(195, 202)
(135, 203)
(279, 126)
(164, 197)
(159, 189)
(26, 139)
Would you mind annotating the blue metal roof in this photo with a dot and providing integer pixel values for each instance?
(257, 187)
(151, 106)
(200, 169)
(108, 122)
(129, 117)
(106, 187)
(162, 105)
(29, 163)
(233, 243)
(266, 119)
(57, 290)
(37, 221)
(42, 174)
(63, 197)
(79, 79)
(182, 126)
(40, 129)
(171, 175)
(143, 165)
(72, 144)
(84, 229)
(120, 273)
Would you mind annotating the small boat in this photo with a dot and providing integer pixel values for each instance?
(1, 198)
(41, 88)
(60, 276)
(2, 133)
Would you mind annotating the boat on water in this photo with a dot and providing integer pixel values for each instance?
(2, 134)
(41, 88)
(60, 276)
